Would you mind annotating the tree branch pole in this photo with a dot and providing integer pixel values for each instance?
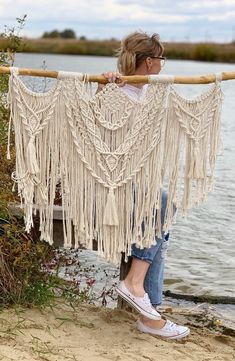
(134, 79)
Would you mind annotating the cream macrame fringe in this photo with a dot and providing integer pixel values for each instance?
(111, 156)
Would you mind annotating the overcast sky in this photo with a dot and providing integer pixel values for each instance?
(174, 20)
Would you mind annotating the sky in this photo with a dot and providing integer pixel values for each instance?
(174, 20)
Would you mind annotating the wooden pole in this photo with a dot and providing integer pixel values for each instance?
(178, 79)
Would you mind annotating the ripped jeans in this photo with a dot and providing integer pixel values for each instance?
(155, 255)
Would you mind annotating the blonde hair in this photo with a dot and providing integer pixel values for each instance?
(135, 48)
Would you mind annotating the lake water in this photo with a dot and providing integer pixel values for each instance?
(201, 257)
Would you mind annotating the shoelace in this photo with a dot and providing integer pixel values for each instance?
(146, 299)
(147, 302)
(171, 325)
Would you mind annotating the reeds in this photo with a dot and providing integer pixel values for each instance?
(188, 51)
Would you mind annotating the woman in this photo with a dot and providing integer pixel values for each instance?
(141, 54)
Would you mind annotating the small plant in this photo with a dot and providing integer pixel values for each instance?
(12, 38)
(21, 260)
(21, 256)
(7, 57)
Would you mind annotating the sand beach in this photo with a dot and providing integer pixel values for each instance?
(90, 333)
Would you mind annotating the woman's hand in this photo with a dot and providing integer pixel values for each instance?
(112, 77)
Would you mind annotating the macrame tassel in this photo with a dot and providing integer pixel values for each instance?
(28, 196)
(31, 157)
(82, 222)
(9, 138)
(196, 165)
(13, 70)
(110, 211)
(42, 194)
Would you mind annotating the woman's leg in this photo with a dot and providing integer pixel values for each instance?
(146, 275)
(132, 288)
(140, 267)
(153, 282)
(147, 269)
(146, 272)
(134, 281)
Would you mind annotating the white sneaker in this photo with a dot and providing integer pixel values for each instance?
(170, 330)
(141, 304)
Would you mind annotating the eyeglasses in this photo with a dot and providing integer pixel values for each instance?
(161, 58)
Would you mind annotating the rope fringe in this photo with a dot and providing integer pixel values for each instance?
(111, 156)
(110, 211)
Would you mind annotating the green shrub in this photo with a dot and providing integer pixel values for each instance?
(28, 266)
(21, 261)
(21, 255)
(205, 52)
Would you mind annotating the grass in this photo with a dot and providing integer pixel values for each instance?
(211, 52)
(191, 51)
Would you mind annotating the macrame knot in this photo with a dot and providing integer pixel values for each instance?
(110, 211)
(196, 165)
(31, 158)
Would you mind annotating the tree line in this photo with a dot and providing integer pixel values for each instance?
(65, 34)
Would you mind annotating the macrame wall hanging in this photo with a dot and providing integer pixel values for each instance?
(111, 156)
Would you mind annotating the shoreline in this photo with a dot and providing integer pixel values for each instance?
(200, 51)
(86, 332)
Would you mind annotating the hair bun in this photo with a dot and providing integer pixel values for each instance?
(127, 49)
(134, 49)
(127, 46)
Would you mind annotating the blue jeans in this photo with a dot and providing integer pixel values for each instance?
(155, 255)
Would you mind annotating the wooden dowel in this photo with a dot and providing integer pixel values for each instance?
(192, 79)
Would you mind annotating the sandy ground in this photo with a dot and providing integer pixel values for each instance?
(92, 333)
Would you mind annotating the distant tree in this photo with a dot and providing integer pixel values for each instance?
(68, 34)
(51, 34)
(45, 35)
(82, 37)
